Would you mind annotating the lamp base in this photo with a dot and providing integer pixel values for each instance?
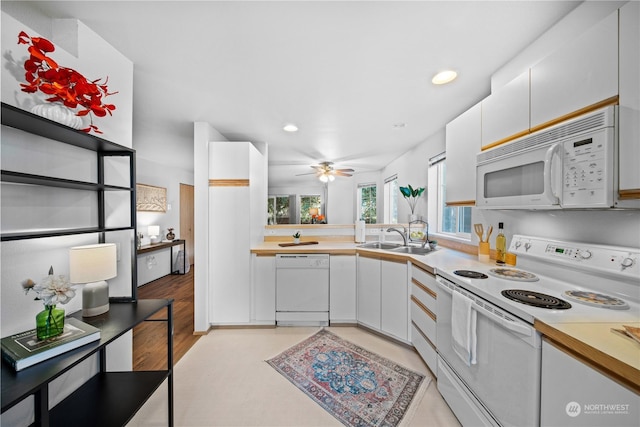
(95, 299)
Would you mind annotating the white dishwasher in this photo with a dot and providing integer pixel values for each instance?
(302, 289)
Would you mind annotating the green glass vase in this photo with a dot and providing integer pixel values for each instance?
(49, 322)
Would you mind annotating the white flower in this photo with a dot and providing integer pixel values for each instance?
(54, 290)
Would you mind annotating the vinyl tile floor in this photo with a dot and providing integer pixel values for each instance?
(223, 380)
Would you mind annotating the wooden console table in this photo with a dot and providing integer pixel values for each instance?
(163, 245)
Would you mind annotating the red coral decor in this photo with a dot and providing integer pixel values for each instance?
(61, 84)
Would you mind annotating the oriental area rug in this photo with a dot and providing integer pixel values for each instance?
(356, 386)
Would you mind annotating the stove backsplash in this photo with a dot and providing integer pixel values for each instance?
(606, 227)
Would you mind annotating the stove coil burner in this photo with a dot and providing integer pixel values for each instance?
(597, 300)
(471, 274)
(536, 299)
(513, 274)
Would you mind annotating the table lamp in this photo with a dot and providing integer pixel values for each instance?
(153, 231)
(93, 265)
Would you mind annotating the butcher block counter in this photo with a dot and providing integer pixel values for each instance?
(594, 343)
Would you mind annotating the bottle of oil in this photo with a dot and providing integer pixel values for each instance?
(501, 244)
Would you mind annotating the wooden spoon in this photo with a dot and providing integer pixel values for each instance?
(489, 232)
(479, 230)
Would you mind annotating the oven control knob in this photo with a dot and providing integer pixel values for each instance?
(518, 244)
(627, 262)
(527, 245)
(586, 254)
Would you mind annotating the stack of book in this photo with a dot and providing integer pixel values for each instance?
(24, 349)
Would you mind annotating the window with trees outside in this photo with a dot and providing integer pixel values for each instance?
(307, 202)
(391, 200)
(451, 220)
(278, 210)
(367, 203)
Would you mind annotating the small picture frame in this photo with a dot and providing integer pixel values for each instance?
(150, 198)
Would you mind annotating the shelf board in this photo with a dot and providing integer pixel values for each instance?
(108, 399)
(120, 318)
(32, 123)
(27, 178)
(7, 237)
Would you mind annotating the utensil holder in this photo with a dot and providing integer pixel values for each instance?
(484, 251)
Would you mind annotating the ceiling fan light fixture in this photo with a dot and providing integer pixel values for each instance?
(324, 178)
(444, 77)
(290, 128)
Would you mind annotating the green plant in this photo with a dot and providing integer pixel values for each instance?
(297, 235)
(411, 195)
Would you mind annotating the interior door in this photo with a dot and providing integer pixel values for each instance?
(186, 219)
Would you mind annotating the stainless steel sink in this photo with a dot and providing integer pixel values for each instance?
(414, 250)
(380, 245)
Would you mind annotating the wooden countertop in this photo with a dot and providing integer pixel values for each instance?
(593, 343)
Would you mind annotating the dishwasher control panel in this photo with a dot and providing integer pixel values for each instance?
(302, 261)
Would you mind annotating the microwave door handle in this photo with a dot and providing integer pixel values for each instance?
(549, 180)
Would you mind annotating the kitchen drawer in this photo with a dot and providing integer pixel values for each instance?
(424, 294)
(425, 349)
(424, 319)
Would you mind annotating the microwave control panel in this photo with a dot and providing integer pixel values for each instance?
(587, 173)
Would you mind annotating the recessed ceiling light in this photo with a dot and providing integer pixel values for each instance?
(443, 77)
(290, 128)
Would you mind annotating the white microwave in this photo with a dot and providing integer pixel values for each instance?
(567, 166)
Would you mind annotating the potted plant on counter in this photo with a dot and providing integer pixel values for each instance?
(296, 237)
(412, 195)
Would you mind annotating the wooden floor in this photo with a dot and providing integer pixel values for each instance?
(150, 338)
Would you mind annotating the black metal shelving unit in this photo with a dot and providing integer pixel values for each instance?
(36, 125)
(108, 398)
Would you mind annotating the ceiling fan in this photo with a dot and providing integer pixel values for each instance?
(326, 172)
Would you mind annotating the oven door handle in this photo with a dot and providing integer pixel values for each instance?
(507, 324)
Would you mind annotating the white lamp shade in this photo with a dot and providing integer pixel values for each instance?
(153, 230)
(92, 263)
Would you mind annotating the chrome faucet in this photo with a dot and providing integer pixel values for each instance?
(402, 233)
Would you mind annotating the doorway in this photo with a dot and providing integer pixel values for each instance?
(187, 219)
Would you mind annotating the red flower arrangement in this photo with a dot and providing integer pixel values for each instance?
(65, 85)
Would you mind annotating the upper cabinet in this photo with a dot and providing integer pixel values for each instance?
(580, 74)
(505, 113)
(463, 143)
(629, 132)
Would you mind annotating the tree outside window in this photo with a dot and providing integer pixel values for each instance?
(278, 210)
(367, 203)
(307, 202)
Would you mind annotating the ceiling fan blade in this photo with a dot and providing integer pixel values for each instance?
(310, 173)
(340, 173)
(345, 170)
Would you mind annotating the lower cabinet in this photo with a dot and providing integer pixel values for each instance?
(263, 289)
(383, 295)
(342, 289)
(368, 291)
(574, 394)
(423, 317)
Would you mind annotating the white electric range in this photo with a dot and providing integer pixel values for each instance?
(573, 283)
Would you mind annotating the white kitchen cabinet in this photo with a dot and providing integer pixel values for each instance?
(629, 132)
(394, 291)
(342, 289)
(368, 290)
(579, 74)
(505, 113)
(237, 197)
(423, 316)
(263, 285)
(463, 142)
(574, 394)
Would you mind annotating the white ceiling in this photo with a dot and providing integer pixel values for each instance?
(343, 72)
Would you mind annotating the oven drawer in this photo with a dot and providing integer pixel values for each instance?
(425, 349)
(423, 287)
(424, 319)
